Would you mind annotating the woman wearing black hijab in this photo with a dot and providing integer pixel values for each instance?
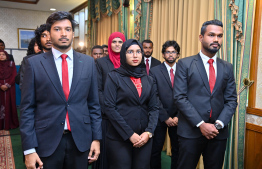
(131, 107)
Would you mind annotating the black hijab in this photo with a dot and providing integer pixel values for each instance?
(126, 69)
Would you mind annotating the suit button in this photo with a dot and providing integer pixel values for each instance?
(211, 97)
(208, 111)
(62, 123)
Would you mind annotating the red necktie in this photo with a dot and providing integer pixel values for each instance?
(172, 77)
(212, 78)
(147, 66)
(65, 83)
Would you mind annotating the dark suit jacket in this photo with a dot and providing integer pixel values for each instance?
(11, 58)
(161, 77)
(104, 66)
(43, 104)
(154, 62)
(126, 111)
(194, 100)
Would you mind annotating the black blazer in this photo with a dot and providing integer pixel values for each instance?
(126, 111)
(11, 58)
(194, 100)
(161, 77)
(43, 104)
(154, 62)
(104, 66)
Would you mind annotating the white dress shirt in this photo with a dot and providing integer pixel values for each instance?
(168, 69)
(149, 61)
(206, 65)
(58, 63)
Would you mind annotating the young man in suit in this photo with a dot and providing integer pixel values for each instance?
(60, 111)
(149, 60)
(97, 52)
(163, 75)
(205, 95)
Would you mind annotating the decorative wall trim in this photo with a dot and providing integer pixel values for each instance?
(254, 111)
(253, 127)
(78, 8)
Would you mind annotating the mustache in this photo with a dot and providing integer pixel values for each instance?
(49, 43)
(63, 39)
(215, 44)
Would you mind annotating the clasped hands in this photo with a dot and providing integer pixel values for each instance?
(139, 140)
(4, 87)
(170, 122)
(208, 130)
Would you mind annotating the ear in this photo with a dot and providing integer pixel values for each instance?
(163, 55)
(200, 38)
(73, 35)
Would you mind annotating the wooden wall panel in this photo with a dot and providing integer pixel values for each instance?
(253, 146)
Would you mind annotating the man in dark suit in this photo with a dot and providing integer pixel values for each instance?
(163, 75)
(97, 52)
(148, 51)
(205, 95)
(2, 47)
(60, 111)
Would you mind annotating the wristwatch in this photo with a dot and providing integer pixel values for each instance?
(218, 126)
(149, 134)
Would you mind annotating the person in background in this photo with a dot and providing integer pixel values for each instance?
(105, 48)
(33, 48)
(8, 112)
(132, 109)
(149, 60)
(42, 37)
(2, 47)
(104, 66)
(97, 52)
(205, 95)
(163, 75)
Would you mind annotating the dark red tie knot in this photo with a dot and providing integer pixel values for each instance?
(64, 56)
(210, 61)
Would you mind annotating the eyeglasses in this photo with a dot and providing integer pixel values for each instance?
(173, 52)
(131, 52)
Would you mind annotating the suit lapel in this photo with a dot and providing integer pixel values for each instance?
(202, 72)
(145, 87)
(166, 75)
(49, 65)
(110, 65)
(78, 66)
(220, 70)
(131, 85)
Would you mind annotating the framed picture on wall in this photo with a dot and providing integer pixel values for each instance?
(24, 37)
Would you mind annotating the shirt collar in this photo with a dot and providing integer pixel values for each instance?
(206, 58)
(168, 67)
(149, 59)
(57, 53)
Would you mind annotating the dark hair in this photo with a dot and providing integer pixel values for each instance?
(147, 41)
(104, 46)
(30, 49)
(97, 47)
(1, 41)
(58, 16)
(212, 22)
(38, 32)
(170, 43)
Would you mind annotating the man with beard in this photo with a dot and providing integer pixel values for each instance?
(105, 48)
(97, 52)
(149, 60)
(60, 111)
(205, 96)
(163, 75)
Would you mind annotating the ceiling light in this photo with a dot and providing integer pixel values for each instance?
(52, 9)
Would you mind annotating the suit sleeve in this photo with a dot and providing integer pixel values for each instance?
(100, 86)
(180, 96)
(230, 99)
(94, 107)
(27, 107)
(153, 109)
(110, 108)
(163, 115)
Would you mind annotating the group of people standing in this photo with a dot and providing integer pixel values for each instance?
(115, 110)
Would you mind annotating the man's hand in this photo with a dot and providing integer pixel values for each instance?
(144, 139)
(175, 120)
(94, 151)
(4, 87)
(208, 130)
(170, 122)
(135, 138)
(31, 160)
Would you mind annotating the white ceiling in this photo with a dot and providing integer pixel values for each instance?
(44, 5)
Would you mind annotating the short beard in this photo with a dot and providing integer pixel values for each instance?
(170, 61)
(214, 50)
(62, 47)
(47, 49)
(147, 56)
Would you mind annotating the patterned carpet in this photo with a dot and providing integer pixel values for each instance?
(6, 151)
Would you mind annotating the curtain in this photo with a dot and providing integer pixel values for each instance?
(179, 20)
(238, 19)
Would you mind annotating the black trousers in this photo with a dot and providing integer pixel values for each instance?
(158, 142)
(122, 155)
(213, 152)
(66, 156)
